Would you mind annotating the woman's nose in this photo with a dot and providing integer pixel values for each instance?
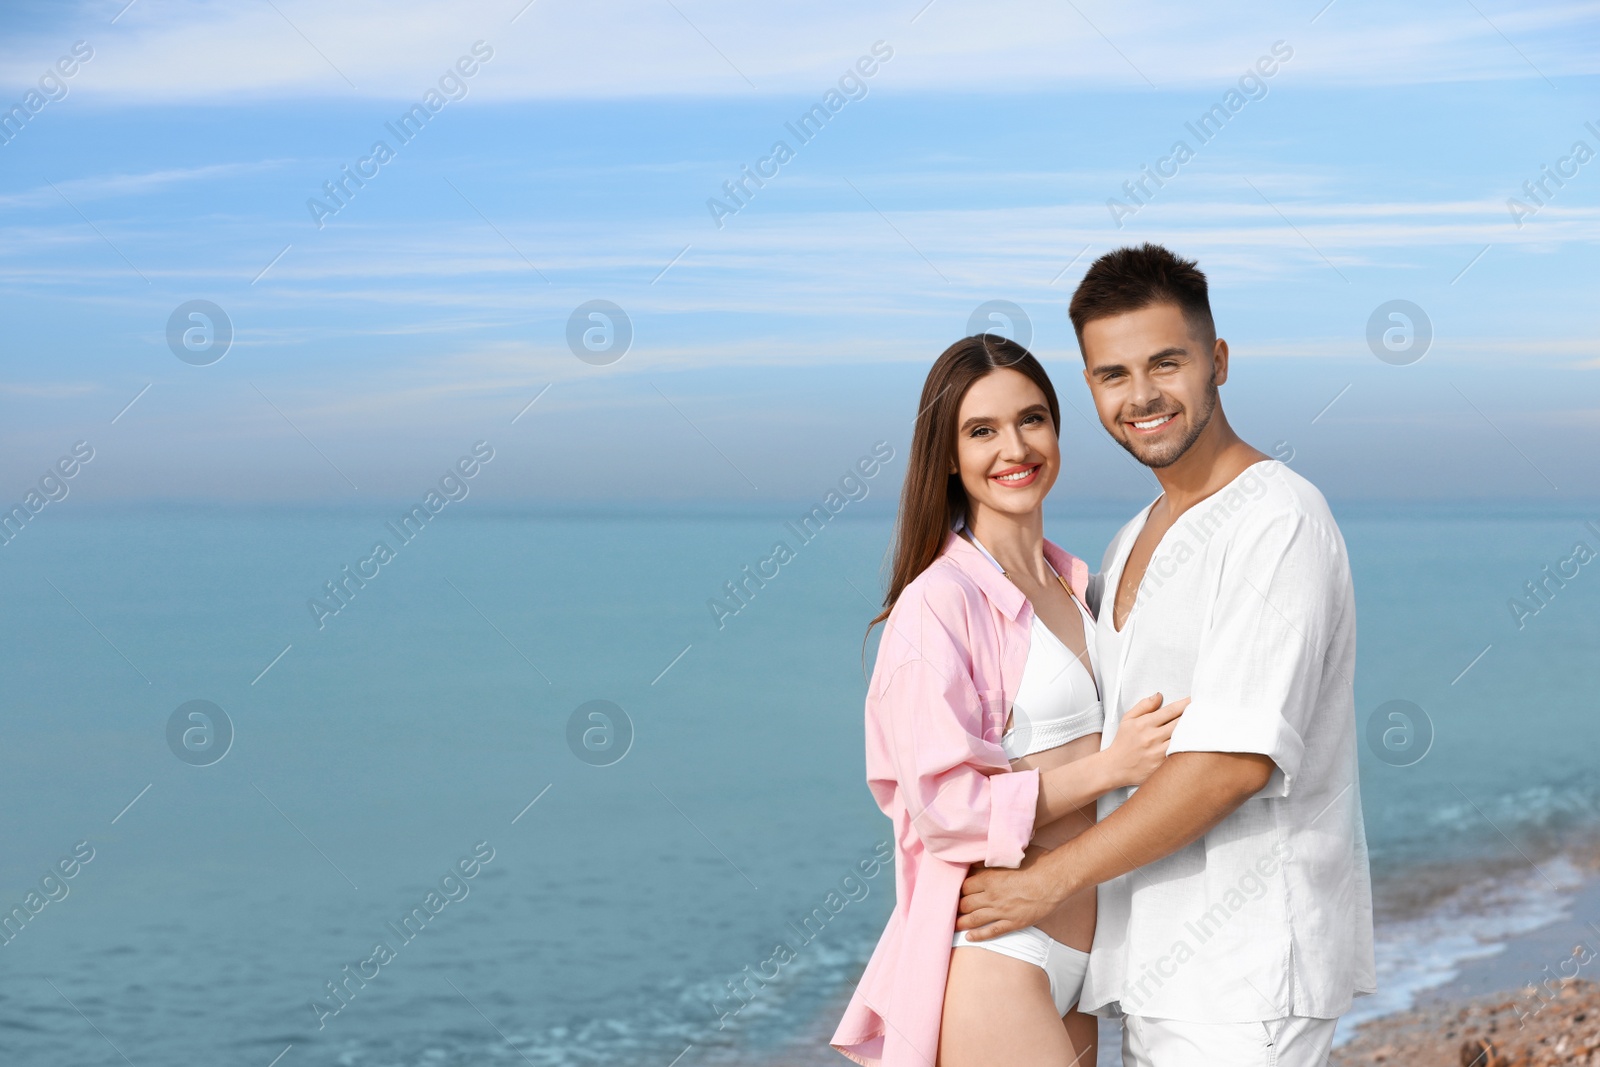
(1012, 446)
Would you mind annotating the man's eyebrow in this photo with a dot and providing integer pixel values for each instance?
(1170, 350)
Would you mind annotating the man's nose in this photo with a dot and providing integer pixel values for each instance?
(1144, 393)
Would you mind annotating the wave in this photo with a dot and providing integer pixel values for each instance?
(1424, 951)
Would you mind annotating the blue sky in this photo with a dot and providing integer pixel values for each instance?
(768, 353)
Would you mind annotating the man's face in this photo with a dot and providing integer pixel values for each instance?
(1154, 382)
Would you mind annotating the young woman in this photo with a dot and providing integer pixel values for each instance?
(983, 730)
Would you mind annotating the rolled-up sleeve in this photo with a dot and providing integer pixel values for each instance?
(1264, 645)
(964, 806)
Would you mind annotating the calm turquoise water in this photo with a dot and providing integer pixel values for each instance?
(434, 707)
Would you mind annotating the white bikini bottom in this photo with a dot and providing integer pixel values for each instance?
(1063, 965)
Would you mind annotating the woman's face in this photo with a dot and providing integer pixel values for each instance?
(1007, 452)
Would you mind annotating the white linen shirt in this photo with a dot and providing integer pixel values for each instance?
(1247, 608)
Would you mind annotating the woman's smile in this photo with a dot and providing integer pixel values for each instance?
(1017, 477)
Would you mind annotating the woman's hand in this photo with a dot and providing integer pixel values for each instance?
(1142, 737)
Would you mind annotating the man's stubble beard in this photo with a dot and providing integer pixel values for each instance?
(1167, 455)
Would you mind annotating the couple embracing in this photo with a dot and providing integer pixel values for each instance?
(1131, 794)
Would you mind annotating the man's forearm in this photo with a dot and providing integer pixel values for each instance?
(1188, 795)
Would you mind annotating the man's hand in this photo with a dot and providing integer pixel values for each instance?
(997, 900)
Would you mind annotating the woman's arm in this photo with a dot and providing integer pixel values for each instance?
(926, 752)
(1133, 755)
(1074, 786)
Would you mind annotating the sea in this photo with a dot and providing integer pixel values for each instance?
(535, 787)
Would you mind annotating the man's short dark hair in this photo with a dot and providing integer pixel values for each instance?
(1129, 279)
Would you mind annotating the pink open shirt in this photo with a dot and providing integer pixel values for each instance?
(948, 666)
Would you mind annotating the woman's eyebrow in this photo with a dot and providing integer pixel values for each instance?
(978, 419)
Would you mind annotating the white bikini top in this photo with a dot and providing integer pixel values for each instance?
(1058, 699)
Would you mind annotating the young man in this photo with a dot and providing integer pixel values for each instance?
(1235, 903)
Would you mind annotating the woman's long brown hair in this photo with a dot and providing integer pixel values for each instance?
(932, 498)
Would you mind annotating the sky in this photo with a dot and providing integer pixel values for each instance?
(355, 344)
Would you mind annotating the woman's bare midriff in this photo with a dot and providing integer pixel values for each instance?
(1072, 923)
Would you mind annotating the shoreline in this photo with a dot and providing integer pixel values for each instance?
(1430, 940)
(1528, 959)
(1529, 1000)
(1560, 1025)
(1462, 965)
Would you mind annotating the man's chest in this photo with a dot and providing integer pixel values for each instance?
(1133, 570)
(1151, 642)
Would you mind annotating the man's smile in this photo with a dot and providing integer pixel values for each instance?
(1152, 424)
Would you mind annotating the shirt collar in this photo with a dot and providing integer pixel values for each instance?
(997, 587)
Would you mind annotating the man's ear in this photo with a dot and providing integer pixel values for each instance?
(1219, 362)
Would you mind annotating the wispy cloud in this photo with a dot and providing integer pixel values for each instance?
(202, 52)
(438, 275)
(988, 148)
(109, 186)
